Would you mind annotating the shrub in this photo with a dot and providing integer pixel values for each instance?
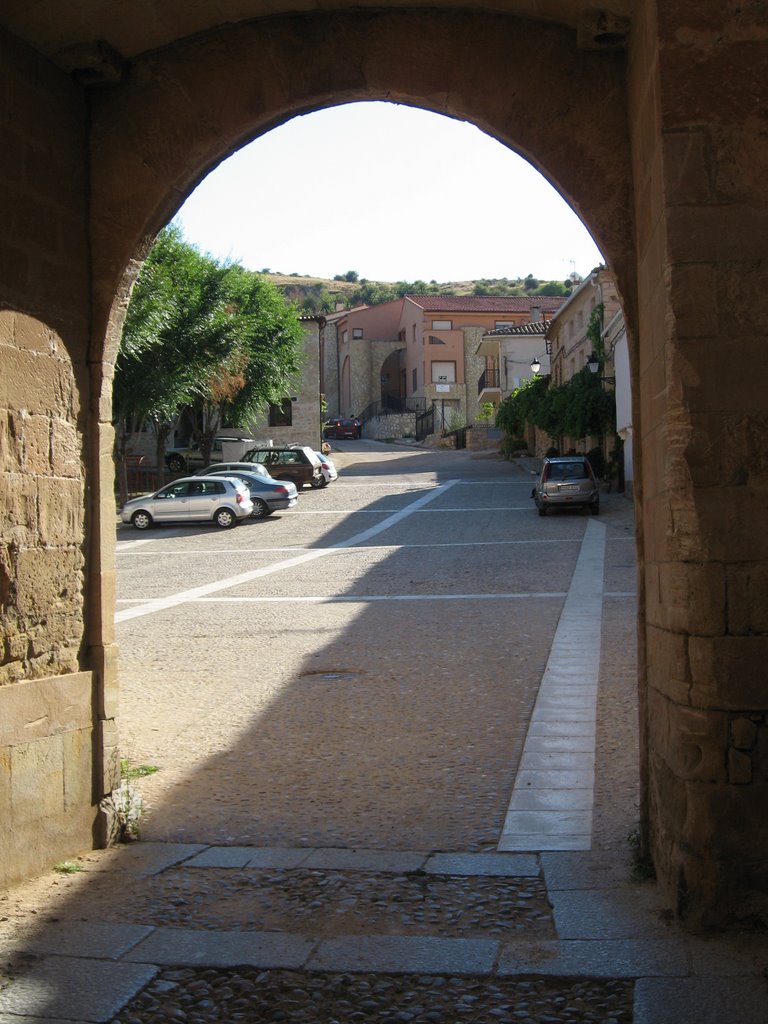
(597, 461)
(512, 446)
(551, 453)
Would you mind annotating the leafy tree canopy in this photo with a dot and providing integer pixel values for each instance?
(205, 335)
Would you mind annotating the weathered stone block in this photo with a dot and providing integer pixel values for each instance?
(18, 499)
(739, 767)
(667, 659)
(37, 781)
(35, 376)
(743, 733)
(62, 515)
(35, 709)
(688, 167)
(47, 577)
(77, 754)
(729, 672)
(695, 299)
(29, 333)
(690, 598)
(692, 742)
(66, 445)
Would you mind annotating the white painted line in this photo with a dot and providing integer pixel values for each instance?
(356, 598)
(184, 596)
(218, 552)
(542, 814)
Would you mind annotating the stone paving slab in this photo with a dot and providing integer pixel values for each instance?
(189, 947)
(97, 939)
(538, 798)
(616, 958)
(249, 856)
(365, 860)
(560, 760)
(533, 843)
(588, 870)
(483, 864)
(74, 989)
(15, 1019)
(555, 779)
(703, 1000)
(607, 914)
(545, 825)
(148, 858)
(398, 954)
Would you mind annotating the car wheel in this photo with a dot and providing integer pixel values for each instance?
(176, 464)
(542, 511)
(225, 518)
(260, 509)
(318, 482)
(141, 520)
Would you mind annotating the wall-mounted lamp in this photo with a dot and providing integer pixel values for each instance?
(594, 367)
(535, 365)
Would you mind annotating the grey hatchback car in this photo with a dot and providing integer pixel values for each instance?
(566, 481)
(222, 501)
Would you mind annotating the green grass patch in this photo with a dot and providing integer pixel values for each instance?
(136, 771)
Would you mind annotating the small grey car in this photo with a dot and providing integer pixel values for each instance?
(566, 481)
(222, 501)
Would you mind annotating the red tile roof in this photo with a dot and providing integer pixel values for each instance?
(536, 328)
(487, 303)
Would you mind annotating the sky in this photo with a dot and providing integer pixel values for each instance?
(394, 193)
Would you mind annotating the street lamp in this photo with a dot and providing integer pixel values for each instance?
(535, 365)
(594, 367)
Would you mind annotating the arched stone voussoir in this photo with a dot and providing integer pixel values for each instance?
(183, 110)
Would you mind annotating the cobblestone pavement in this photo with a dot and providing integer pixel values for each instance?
(357, 879)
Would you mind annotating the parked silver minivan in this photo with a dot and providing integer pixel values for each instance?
(566, 481)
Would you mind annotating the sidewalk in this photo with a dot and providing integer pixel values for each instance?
(549, 928)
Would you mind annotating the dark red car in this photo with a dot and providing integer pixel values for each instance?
(343, 428)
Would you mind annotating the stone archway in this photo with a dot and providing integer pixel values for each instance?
(663, 163)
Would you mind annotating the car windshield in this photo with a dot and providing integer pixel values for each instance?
(568, 471)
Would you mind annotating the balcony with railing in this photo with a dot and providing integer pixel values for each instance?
(489, 385)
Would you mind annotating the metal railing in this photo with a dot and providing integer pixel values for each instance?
(391, 406)
(488, 379)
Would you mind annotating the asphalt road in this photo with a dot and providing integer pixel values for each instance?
(358, 671)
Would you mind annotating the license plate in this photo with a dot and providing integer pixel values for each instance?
(569, 487)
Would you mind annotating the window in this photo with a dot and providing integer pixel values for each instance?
(434, 340)
(415, 380)
(357, 332)
(442, 325)
(443, 373)
(501, 324)
(281, 415)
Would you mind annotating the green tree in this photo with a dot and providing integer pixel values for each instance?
(212, 337)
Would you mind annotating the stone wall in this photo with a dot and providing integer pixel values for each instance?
(394, 426)
(701, 158)
(46, 721)
(670, 181)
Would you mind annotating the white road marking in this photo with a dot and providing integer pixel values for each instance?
(217, 552)
(184, 596)
(365, 598)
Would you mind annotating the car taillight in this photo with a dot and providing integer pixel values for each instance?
(545, 475)
(239, 497)
(282, 490)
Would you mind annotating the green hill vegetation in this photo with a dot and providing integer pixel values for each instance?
(320, 295)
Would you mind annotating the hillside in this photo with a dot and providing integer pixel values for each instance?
(320, 295)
